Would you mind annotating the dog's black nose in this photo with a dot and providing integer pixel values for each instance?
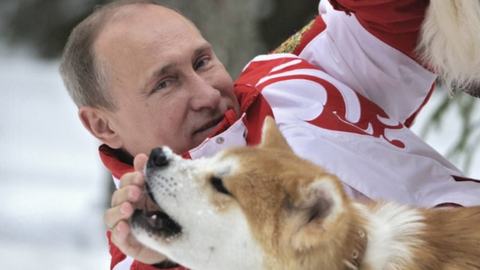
(157, 158)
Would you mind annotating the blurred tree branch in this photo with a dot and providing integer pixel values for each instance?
(44, 25)
(466, 107)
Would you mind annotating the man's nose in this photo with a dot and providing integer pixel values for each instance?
(204, 95)
(157, 158)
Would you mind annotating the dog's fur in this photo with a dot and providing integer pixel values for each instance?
(450, 42)
(265, 208)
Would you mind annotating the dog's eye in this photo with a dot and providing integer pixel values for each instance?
(217, 183)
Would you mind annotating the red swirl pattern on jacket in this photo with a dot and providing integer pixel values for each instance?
(342, 108)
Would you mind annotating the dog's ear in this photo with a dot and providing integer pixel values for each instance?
(316, 213)
(271, 136)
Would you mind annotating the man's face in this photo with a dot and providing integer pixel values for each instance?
(167, 84)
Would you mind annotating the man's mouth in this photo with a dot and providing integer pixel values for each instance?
(210, 125)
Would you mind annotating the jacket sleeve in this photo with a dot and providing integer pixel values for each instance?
(369, 46)
(395, 22)
(121, 261)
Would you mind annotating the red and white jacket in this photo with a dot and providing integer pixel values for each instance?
(347, 108)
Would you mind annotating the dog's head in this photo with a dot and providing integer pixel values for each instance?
(244, 208)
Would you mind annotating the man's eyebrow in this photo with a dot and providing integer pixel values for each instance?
(202, 48)
(162, 70)
(156, 74)
(166, 68)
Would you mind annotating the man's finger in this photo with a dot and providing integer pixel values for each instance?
(129, 245)
(126, 194)
(124, 240)
(116, 214)
(119, 236)
(131, 178)
(139, 162)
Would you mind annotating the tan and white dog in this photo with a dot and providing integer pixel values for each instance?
(264, 207)
(450, 42)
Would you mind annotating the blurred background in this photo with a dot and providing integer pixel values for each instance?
(54, 190)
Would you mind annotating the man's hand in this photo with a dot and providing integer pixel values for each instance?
(123, 204)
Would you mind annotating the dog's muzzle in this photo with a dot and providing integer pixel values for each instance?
(157, 159)
(155, 220)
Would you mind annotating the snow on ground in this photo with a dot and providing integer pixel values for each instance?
(53, 186)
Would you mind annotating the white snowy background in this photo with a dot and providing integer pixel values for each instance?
(53, 187)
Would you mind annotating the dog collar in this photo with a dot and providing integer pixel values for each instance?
(356, 257)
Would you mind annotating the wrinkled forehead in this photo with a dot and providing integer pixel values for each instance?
(131, 13)
(143, 23)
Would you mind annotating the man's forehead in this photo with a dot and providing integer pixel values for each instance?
(143, 15)
(143, 38)
(127, 13)
(139, 26)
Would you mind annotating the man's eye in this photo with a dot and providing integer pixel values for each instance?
(217, 183)
(163, 84)
(201, 63)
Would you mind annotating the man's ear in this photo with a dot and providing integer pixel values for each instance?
(317, 213)
(272, 137)
(97, 122)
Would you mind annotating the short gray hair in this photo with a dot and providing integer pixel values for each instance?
(83, 73)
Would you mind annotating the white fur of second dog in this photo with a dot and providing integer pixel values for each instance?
(450, 41)
(389, 227)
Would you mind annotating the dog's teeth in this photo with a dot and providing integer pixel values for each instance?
(154, 217)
